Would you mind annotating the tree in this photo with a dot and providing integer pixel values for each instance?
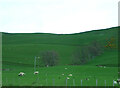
(95, 49)
(86, 53)
(49, 58)
(80, 56)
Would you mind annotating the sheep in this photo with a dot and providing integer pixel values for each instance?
(104, 66)
(67, 78)
(118, 81)
(21, 74)
(65, 68)
(62, 74)
(115, 82)
(36, 72)
(70, 75)
(86, 78)
(47, 66)
(101, 66)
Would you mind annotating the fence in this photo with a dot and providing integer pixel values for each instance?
(53, 82)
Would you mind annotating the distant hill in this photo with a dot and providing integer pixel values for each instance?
(21, 48)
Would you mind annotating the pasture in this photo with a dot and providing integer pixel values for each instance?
(52, 76)
(19, 51)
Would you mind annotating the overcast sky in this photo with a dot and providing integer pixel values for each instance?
(57, 16)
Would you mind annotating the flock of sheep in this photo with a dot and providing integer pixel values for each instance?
(22, 73)
(36, 72)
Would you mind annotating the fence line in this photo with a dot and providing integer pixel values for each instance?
(19, 81)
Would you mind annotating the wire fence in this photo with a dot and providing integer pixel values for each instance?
(53, 82)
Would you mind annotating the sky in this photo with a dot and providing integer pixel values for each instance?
(57, 16)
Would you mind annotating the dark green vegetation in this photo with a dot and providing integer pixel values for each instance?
(19, 50)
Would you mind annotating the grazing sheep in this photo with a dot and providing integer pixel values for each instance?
(70, 75)
(62, 74)
(65, 68)
(36, 72)
(47, 65)
(100, 65)
(86, 78)
(67, 78)
(115, 82)
(118, 81)
(104, 66)
(21, 74)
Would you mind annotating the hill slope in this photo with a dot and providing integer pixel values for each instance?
(21, 48)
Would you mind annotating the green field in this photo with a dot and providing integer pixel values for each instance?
(20, 49)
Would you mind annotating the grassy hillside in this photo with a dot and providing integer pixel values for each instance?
(109, 59)
(52, 76)
(20, 49)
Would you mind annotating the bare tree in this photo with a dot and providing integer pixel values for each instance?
(95, 49)
(49, 58)
(86, 53)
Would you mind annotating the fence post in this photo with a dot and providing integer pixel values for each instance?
(96, 82)
(105, 83)
(73, 82)
(81, 82)
(66, 82)
(113, 82)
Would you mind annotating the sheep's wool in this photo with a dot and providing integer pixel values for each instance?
(36, 72)
(115, 82)
(70, 74)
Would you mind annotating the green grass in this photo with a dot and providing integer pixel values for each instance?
(79, 73)
(109, 59)
(19, 50)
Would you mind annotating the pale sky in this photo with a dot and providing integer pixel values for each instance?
(57, 16)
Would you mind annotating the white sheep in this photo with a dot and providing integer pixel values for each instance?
(21, 74)
(70, 75)
(36, 72)
(115, 82)
(65, 68)
(62, 74)
(118, 81)
(68, 78)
